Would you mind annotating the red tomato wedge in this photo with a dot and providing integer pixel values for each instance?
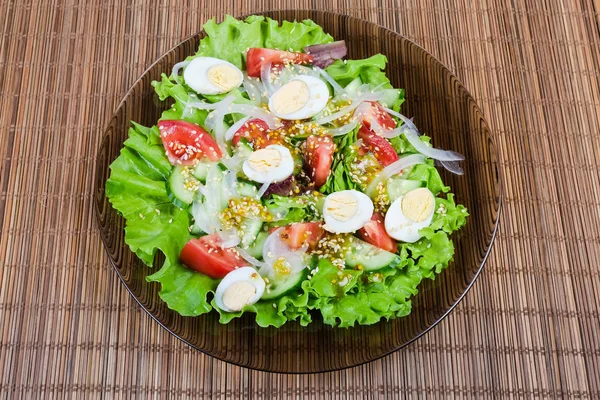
(256, 57)
(185, 142)
(374, 232)
(319, 157)
(254, 131)
(206, 256)
(377, 112)
(299, 233)
(379, 146)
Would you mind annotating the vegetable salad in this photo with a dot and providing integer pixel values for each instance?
(284, 181)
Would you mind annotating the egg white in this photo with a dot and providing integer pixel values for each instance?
(243, 274)
(399, 227)
(273, 174)
(361, 216)
(318, 95)
(196, 75)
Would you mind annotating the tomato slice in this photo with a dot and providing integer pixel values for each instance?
(382, 117)
(254, 131)
(379, 146)
(319, 157)
(256, 57)
(374, 232)
(299, 233)
(185, 142)
(206, 256)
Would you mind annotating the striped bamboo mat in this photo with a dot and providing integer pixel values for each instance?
(529, 328)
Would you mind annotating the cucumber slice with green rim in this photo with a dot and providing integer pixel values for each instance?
(183, 185)
(353, 86)
(256, 248)
(244, 149)
(250, 230)
(370, 257)
(397, 187)
(200, 172)
(282, 284)
(246, 189)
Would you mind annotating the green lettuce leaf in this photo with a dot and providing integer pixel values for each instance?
(230, 39)
(369, 70)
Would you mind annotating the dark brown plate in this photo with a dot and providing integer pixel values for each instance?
(442, 108)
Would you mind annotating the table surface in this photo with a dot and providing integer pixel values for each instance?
(68, 328)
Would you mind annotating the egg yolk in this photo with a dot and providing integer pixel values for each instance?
(238, 295)
(265, 159)
(291, 97)
(224, 76)
(342, 206)
(417, 205)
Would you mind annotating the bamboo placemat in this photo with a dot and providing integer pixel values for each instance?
(529, 328)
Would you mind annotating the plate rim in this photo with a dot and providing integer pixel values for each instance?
(493, 149)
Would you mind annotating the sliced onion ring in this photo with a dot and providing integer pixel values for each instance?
(393, 169)
(407, 121)
(337, 89)
(220, 110)
(229, 238)
(436, 154)
(255, 89)
(452, 166)
(348, 109)
(342, 130)
(235, 127)
(246, 256)
(255, 112)
(265, 77)
(179, 66)
(263, 189)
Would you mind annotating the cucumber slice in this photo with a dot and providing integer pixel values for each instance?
(390, 97)
(353, 86)
(282, 284)
(201, 171)
(371, 258)
(246, 189)
(255, 250)
(183, 185)
(250, 230)
(244, 149)
(397, 187)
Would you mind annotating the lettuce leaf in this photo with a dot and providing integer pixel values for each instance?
(230, 39)
(369, 70)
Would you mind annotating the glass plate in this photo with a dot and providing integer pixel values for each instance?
(442, 108)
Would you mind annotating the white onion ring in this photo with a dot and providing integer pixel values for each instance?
(265, 77)
(178, 66)
(436, 154)
(336, 86)
(263, 189)
(394, 168)
(363, 111)
(255, 89)
(453, 166)
(230, 182)
(235, 127)
(407, 121)
(342, 130)
(229, 238)
(233, 163)
(255, 112)
(246, 256)
(220, 110)
(346, 110)
(274, 249)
